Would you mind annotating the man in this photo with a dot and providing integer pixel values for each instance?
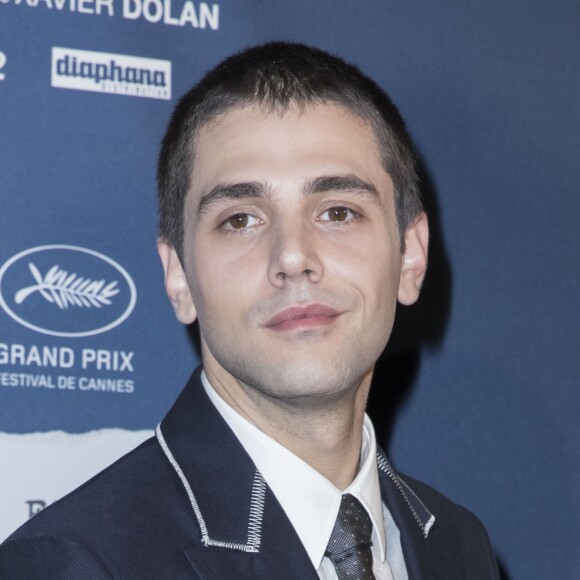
(290, 224)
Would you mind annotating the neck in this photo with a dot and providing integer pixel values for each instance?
(325, 432)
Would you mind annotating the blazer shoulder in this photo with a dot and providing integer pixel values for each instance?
(40, 557)
(131, 520)
(440, 505)
(457, 526)
(111, 491)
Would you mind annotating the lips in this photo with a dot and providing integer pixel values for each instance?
(302, 317)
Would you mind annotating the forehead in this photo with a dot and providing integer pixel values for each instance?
(248, 143)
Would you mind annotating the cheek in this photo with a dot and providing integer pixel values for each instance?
(223, 285)
(372, 267)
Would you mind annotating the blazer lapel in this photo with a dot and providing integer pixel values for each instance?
(429, 549)
(280, 556)
(243, 530)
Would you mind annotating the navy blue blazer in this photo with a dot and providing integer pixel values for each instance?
(190, 504)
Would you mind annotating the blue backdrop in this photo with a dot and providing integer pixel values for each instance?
(477, 394)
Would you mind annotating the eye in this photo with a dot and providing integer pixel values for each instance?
(338, 214)
(240, 221)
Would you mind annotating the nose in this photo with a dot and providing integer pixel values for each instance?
(294, 256)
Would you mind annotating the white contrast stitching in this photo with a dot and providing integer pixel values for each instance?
(184, 481)
(419, 500)
(256, 506)
(429, 524)
(386, 467)
(257, 511)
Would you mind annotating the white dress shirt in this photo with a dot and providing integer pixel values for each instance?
(311, 501)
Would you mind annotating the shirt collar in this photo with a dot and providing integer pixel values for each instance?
(310, 501)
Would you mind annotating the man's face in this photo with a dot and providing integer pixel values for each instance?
(292, 259)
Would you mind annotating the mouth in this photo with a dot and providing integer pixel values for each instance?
(302, 317)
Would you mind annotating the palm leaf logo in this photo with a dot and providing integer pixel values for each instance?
(64, 289)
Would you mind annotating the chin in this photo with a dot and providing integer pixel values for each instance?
(301, 382)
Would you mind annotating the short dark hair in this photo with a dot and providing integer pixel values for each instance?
(277, 76)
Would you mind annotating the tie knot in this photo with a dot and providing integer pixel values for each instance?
(352, 531)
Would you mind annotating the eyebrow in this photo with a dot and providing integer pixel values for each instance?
(258, 189)
(225, 191)
(341, 183)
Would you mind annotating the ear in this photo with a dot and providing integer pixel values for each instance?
(176, 284)
(414, 260)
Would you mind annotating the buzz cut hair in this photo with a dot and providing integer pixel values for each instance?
(277, 76)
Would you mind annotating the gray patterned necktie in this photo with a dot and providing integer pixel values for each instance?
(349, 547)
